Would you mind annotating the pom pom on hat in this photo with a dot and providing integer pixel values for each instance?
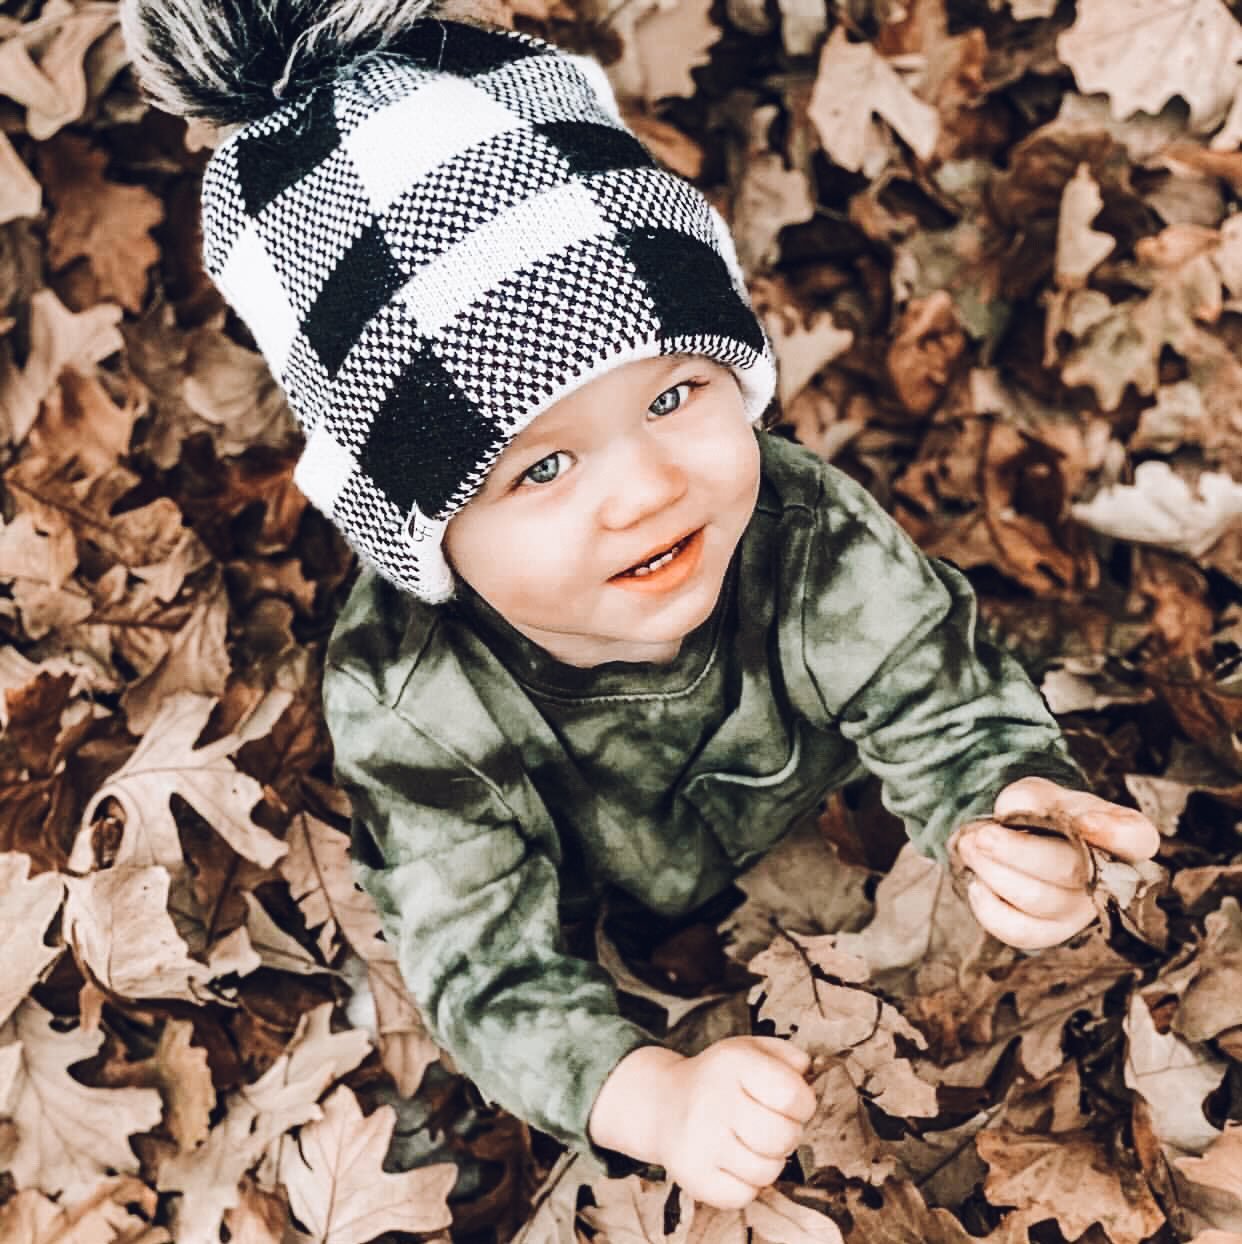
(231, 61)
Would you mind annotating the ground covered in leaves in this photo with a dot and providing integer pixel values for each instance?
(997, 246)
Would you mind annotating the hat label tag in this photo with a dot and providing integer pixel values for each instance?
(422, 531)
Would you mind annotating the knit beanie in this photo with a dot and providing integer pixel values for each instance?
(435, 241)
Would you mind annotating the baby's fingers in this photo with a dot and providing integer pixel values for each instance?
(721, 1190)
(1123, 832)
(1026, 891)
(1018, 928)
(751, 1168)
(1044, 858)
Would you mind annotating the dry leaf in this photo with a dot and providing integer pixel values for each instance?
(1212, 1001)
(1080, 249)
(1141, 53)
(662, 43)
(1119, 345)
(675, 1006)
(286, 1093)
(828, 1019)
(58, 338)
(854, 84)
(406, 1047)
(105, 1216)
(924, 936)
(208, 1177)
(1070, 1178)
(800, 885)
(1047, 989)
(773, 1216)
(102, 221)
(180, 1071)
(195, 660)
(804, 344)
(52, 84)
(1220, 1166)
(260, 1218)
(276, 948)
(1162, 508)
(336, 1185)
(80, 413)
(166, 762)
(20, 194)
(118, 925)
(41, 564)
(802, 25)
(69, 1135)
(1173, 1077)
(1030, 10)
(839, 1136)
(27, 905)
(321, 879)
(633, 1209)
(769, 198)
(231, 389)
(902, 1216)
(927, 346)
(675, 150)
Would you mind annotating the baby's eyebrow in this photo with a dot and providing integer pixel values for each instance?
(542, 444)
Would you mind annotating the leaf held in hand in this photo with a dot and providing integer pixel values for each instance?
(1112, 883)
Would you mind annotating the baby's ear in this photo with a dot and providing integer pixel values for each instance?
(594, 73)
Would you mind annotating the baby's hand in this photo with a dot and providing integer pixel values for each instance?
(735, 1112)
(1031, 891)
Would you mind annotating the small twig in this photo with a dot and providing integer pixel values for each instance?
(810, 968)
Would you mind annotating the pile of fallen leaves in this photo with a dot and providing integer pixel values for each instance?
(997, 246)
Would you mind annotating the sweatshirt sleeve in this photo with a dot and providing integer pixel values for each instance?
(471, 906)
(943, 716)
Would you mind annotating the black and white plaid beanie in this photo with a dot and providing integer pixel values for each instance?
(437, 244)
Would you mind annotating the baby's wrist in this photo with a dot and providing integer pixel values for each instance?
(629, 1107)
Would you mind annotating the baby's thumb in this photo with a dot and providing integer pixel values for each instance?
(785, 1050)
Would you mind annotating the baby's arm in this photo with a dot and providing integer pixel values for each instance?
(892, 644)
(951, 723)
(470, 904)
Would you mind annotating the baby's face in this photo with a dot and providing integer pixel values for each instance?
(653, 462)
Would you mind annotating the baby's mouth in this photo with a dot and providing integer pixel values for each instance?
(657, 562)
(665, 569)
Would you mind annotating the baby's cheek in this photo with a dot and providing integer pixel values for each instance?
(535, 572)
(730, 459)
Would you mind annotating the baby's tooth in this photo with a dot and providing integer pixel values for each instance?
(658, 562)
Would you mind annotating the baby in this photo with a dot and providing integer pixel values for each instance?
(608, 632)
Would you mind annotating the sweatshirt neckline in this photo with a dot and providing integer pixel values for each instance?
(542, 674)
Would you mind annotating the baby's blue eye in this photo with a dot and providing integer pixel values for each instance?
(689, 385)
(546, 469)
(668, 410)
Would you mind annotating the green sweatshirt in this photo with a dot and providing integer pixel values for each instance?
(496, 790)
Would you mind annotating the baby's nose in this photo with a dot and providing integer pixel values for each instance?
(641, 483)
